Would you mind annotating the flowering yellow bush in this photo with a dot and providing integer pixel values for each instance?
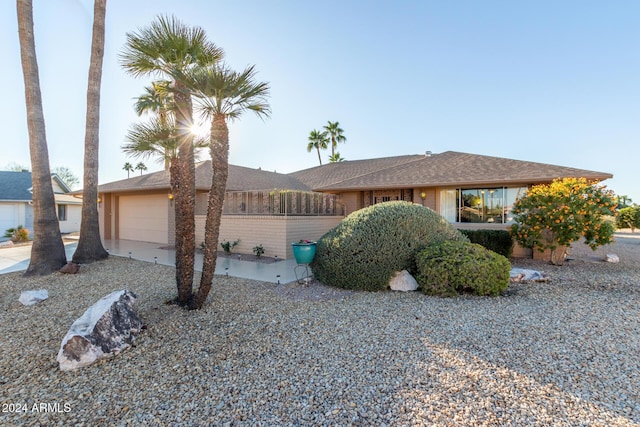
(551, 216)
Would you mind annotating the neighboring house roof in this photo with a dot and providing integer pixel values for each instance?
(63, 185)
(67, 199)
(444, 169)
(240, 179)
(15, 186)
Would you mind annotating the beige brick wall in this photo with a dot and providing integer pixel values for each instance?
(430, 200)
(521, 252)
(351, 201)
(274, 233)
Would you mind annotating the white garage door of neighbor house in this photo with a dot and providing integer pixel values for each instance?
(7, 218)
(144, 218)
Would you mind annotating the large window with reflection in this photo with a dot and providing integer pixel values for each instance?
(479, 205)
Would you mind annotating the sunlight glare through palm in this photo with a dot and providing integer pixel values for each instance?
(200, 130)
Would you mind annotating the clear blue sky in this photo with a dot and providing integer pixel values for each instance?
(547, 81)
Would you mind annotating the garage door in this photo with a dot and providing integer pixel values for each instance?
(7, 218)
(144, 218)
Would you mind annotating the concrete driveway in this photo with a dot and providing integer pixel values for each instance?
(16, 258)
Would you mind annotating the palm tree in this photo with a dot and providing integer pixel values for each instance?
(169, 49)
(158, 136)
(158, 99)
(333, 129)
(319, 141)
(47, 252)
(222, 95)
(623, 201)
(129, 168)
(335, 158)
(153, 139)
(141, 167)
(90, 247)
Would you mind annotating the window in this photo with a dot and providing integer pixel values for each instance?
(62, 212)
(449, 205)
(510, 196)
(479, 205)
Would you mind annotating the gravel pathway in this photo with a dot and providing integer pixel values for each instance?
(562, 353)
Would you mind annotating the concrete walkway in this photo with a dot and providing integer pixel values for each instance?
(17, 259)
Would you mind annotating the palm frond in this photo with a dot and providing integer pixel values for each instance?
(157, 98)
(220, 90)
(152, 139)
(166, 47)
(318, 139)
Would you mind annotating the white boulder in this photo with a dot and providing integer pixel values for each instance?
(518, 275)
(106, 328)
(613, 258)
(403, 281)
(33, 297)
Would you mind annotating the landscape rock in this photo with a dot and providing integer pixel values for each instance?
(518, 275)
(33, 297)
(70, 268)
(106, 328)
(613, 258)
(6, 244)
(403, 281)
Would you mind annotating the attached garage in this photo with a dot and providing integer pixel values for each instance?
(10, 217)
(144, 218)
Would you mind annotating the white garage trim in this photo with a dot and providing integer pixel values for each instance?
(144, 218)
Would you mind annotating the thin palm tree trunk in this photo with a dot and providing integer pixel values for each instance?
(220, 168)
(90, 245)
(47, 252)
(319, 158)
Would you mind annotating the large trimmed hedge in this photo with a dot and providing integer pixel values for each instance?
(451, 268)
(369, 245)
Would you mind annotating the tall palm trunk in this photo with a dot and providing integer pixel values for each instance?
(47, 252)
(183, 187)
(220, 168)
(90, 245)
(319, 158)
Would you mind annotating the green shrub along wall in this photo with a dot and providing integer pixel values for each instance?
(451, 268)
(369, 245)
(498, 241)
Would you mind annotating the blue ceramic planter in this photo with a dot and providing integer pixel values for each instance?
(304, 252)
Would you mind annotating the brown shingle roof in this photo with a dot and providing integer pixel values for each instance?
(243, 179)
(448, 168)
(240, 179)
(335, 173)
(444, 169)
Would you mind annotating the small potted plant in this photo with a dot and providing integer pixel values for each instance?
(304, 251)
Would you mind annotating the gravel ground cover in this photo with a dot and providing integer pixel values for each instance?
(562, 353)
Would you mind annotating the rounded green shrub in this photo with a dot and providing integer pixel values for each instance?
(450, 268)
(369, 245)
